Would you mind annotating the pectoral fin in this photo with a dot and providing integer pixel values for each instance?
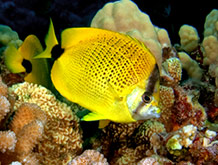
(92, 117)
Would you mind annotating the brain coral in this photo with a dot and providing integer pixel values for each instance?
(61, 140)
(115, 17)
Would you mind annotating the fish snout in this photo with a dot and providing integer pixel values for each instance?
(147, 112)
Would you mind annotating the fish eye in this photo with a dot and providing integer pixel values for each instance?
(146, 97)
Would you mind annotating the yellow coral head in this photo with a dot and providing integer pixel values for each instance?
(143, 103)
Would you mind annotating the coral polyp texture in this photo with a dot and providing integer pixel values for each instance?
(25, 131)
(38, 128)
(90, 157)
(62, 138)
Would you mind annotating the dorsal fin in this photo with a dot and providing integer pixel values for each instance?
(50, 42)
(73, 36)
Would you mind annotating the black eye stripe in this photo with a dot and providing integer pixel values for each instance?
(154, 77)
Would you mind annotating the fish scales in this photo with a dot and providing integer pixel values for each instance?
(104, 62)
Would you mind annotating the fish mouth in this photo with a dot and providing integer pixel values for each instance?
(149, 113)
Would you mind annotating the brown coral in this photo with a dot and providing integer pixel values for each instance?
(61, 140)
(89, 157)
(26, 135)
(3, 88)
(147, 131)
(125, 155)
(186, 109)
(167, 99)
(25, 115)
(120, 132)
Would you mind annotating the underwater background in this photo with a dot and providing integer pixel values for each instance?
(39, 126)
(31, 17)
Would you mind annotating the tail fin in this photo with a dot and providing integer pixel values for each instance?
(50, 42)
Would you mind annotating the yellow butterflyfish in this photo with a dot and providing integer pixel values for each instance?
(111, 74)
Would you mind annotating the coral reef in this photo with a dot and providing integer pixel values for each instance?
(25, 131)
(61, 140)
(43, 129)
(37, 128)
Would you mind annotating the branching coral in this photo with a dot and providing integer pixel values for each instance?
(25, 115)
(61, 140)
(25, 134)
(115, 17)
